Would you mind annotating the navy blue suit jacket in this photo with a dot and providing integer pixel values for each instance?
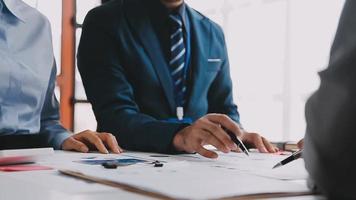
(127, 79)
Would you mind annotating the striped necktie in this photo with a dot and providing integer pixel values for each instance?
(177, 60)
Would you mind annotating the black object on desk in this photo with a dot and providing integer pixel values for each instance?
(25, 141)
(110, 165)
(237, 141)
(294, 156)
(157, 164)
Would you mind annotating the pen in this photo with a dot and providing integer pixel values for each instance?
(237, 141)
(289, 159)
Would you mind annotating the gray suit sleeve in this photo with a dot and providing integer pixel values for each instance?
(331, 116)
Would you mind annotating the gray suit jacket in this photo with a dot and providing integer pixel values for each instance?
(330, 142)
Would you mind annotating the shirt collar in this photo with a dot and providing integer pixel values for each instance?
(182, 12)
(14, 6)
(158, 10)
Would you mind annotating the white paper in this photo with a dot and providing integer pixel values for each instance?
(27, 152)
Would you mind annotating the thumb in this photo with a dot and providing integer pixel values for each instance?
(301, 144)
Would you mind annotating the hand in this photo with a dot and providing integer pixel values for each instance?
(207, 130)
(257, 141)
(86, 140)
(301, 144)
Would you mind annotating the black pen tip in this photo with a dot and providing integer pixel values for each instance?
(246, 152)
(276, 166)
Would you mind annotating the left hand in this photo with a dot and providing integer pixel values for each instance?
(257, 141)
(301, 144)
(86, 140)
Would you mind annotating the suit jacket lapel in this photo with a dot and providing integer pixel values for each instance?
(140, 21)
(200, 43)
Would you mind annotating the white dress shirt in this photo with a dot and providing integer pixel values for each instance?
(27, 74)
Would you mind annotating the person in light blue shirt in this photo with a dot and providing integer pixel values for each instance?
(28, 105)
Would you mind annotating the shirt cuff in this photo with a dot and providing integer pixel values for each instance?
(58, 140)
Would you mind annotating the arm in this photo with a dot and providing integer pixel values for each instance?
(331, 112)
(59, 138)
(220, 96)
(112, 95)
(209, 129)
(51, 128)
(52, 132)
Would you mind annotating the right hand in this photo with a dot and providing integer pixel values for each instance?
(207, 130)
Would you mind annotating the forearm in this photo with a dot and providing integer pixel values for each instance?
(220, 95)
(51, 128)
(137, 131)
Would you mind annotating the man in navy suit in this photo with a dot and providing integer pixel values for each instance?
(157, 75)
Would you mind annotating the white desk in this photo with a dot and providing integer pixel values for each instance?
(50, 185)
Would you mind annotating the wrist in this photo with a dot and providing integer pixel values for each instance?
(178, 141)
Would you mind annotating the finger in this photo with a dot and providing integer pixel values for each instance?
(226, 122)
(206, 153)
(94, 140)
(120, 149)
(109, 141)
(219, 133)
(259, 144)
(212, 140)
(238, 150)
(73, 144)
(270, 148)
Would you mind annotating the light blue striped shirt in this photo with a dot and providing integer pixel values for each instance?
(27, 74)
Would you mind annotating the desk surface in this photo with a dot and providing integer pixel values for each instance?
(50, 185)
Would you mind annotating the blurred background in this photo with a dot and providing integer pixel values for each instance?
(276, 48)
